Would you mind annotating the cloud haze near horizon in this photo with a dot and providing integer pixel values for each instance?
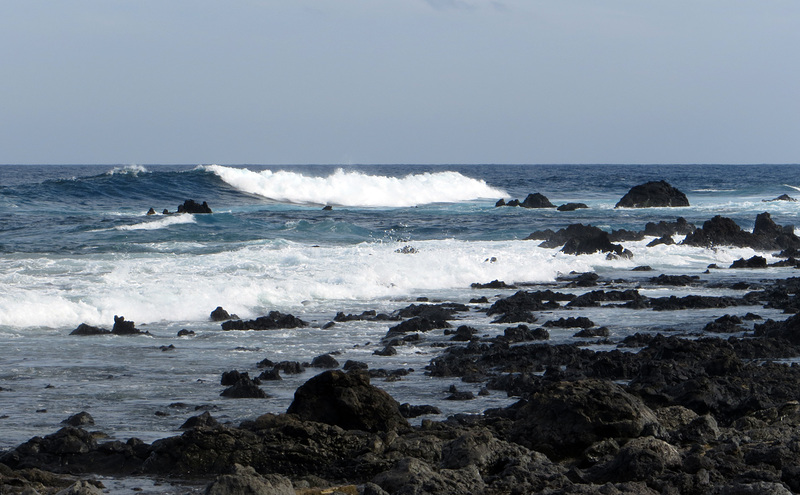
(391, 81)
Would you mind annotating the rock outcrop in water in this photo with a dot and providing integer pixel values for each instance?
(534, 200)
(273, 321)
(653, 194)
(722, 231)
(191, 206)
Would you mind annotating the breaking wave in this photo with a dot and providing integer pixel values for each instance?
(344, 188)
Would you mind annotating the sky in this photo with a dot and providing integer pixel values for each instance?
(399, 81)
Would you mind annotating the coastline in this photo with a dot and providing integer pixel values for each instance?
(700, 412)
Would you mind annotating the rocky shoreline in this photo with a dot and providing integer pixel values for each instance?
(711, 412)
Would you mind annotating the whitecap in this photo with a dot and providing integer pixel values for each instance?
(344, 188)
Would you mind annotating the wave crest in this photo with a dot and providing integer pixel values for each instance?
(133, 170)
(357, 189)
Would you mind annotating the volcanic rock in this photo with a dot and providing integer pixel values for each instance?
(347, 400)
(274, 320)
(191, 206)
(653, 194)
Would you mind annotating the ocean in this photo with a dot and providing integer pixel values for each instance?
(76, 246)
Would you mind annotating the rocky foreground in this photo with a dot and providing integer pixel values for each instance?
(716, 413)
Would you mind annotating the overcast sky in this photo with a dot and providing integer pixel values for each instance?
(399, 81)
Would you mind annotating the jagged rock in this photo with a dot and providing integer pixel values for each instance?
(409, 411)
(782, 197)
(84, 329)
(151, 211)
(667, 240)
(564, 418)
(580, 239)
(753, 262)
(537, 200)
(191, 206)
(653, 194)
(725, 324)
(413, 476)
(722, 231)
(204, 420)
(220, 314)
(571, 322)
(274, 320)
(185, 333)
(245, 481)
(82, 487)
(572, 206)
(244, 388)
(347, 400)
(80, 419)
(324, 361)
(494, 284)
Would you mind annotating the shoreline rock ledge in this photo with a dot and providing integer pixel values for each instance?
(653, 195)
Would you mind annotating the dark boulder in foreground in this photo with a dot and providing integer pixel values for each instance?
(347, 400)
(564, 418)
(274, 320)
(191, 206)
(651, 195)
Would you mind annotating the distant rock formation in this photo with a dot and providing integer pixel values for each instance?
(651, 195)
(535, 200)
(191, 206)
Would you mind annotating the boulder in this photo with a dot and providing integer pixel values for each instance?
(81, 419)
(84, 329)
(580, 239)
(245, 481)
(191, 206)
(722, 231)
(204, 420)
(244, 388)
(324, 361)
(220, 314)
(123, 327)
(572, 206)
(653, 194)
(413, 476)
(347, 400)
(564, 418)
(537, 200)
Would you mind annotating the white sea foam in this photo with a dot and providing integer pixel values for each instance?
(160, 223)
(357, 189)
(128, 169)
(796, 188)
(293, 277)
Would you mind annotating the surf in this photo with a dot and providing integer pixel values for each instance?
(357, 189)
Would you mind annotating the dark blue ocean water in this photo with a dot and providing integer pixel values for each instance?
(77, 246)
(68, 209)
